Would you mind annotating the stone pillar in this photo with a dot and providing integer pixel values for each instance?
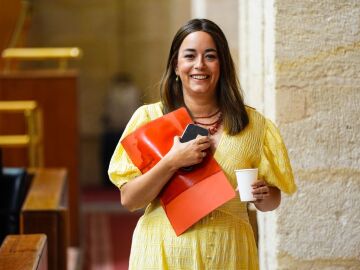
(256, 54)
(257, 77)
(223, 13)
(300, 62)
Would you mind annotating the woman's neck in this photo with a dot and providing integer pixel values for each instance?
(201, 107)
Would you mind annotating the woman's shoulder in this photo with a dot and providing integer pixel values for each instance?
(254, 115)
(260, 122)
(150, 106)
(144, 114)
(151, 109)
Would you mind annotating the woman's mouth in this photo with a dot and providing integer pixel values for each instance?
(200, 77)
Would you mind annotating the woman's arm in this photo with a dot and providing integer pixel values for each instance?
(267, 198)
(139, 192)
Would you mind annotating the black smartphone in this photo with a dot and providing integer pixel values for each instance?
(190, 133)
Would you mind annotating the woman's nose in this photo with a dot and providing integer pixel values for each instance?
(199, 64)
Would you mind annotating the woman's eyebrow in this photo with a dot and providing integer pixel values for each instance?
(193, 50)
(210, 50)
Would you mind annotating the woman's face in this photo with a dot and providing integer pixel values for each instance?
(198, 64)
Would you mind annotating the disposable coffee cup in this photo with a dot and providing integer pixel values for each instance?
(245, 178)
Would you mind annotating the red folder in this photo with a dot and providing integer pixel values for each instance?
(188, 196)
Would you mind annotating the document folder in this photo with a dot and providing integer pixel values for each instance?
(188, 196)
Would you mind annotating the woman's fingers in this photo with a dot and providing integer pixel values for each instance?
(191, 152)
(201, 143)
(201, 140)
(259, 183)
(260, 190)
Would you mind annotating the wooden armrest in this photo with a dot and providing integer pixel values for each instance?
(24, 252)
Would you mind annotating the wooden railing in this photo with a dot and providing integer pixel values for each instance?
(61, 55)
(32, 138)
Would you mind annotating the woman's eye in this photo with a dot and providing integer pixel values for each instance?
(189, 56)
(211, 56)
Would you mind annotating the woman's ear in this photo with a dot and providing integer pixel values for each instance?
(175, 67)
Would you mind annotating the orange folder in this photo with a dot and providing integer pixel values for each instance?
(188, 196)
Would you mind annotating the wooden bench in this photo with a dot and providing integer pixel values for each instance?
(45, 210)
(24, 252)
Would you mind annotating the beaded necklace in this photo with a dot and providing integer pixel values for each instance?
(213, 126)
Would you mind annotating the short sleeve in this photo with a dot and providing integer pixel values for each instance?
(121, 169)
(274, 164)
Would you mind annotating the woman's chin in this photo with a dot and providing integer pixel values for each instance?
(201, 90)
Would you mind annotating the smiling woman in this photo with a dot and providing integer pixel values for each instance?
(201, 77)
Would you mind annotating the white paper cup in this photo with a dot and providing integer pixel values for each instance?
(245, 178)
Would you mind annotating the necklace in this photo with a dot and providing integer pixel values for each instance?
(208, 116)
(213, 126)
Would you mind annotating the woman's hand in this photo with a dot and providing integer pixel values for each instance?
(267, 198)
(145, 188)
(188, 153)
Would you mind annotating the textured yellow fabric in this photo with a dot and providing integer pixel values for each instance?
(223, 239)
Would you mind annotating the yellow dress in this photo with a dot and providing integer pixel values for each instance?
(224, 239)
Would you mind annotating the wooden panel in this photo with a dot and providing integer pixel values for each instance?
(56, 94)
(24, 252)
(45, 211)
(9, 13)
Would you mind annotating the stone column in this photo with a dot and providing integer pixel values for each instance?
(300, 62)
(223, 13)
(256, 54)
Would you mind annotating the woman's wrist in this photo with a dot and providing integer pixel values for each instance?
(169, 164)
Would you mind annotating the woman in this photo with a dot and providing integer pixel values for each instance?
(200, 75)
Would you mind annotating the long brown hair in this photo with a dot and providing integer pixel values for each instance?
(229, 93)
